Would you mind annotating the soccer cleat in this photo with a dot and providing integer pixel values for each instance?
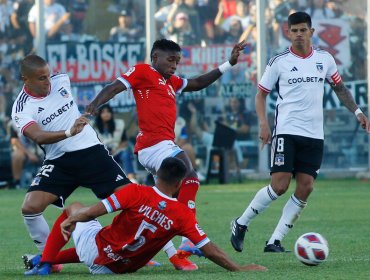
(180, 262)
(187, 248)
(237, 235)
(153, 263)
(40, 269)
(30, 261)
(275, 248)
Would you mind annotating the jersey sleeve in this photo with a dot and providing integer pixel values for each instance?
(269, 77)
(332, 75)
(122, 199)
(193, 231)
(22, 117)
(178, 83)
(134, 76)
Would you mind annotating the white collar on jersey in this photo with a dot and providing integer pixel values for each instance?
(162, 194)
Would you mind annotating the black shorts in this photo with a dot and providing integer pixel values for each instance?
(292, 153)
(93, 168)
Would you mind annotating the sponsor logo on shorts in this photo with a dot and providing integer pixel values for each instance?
(279, 159)
(36, 181)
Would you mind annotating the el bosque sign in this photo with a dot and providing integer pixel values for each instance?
(93, 62)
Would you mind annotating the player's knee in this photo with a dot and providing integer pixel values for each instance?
(280, 189)
(28, 209)
(32, 207)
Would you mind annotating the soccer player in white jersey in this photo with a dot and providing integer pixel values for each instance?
(297, 140)
(45, 112)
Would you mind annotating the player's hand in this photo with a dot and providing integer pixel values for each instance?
(67, 227)
(79, 124)
(91, 109)
(252, 267)
(364, 122)
(265, 135)
(237, 49)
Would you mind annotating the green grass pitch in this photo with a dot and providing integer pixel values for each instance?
(338, 209)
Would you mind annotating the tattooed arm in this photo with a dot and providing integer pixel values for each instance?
(345, 96)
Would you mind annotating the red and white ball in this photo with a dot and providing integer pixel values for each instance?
(311, 248)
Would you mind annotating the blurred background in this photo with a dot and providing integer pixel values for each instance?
(96, 41)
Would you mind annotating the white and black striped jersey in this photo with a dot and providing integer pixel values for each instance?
(300, 85)
(54, 112)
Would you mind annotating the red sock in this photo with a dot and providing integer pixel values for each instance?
(188, 192)
(55, 241)
(67, 256)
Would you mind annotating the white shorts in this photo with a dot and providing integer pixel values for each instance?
(87, 251)
(151, 158)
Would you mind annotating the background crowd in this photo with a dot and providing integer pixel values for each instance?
(194, 23)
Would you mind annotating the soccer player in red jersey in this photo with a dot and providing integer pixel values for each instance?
(149, 217)
(155, 88)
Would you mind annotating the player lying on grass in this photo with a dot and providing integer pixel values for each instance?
(149, 217)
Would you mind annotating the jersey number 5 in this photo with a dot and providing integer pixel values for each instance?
(140, 240)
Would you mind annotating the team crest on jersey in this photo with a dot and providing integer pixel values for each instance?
(279, 159)
(162, 205)
(319, 67)
(191, 204)
(36, 181)
(63, 92)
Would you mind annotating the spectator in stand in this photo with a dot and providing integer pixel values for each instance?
(111, 131)
(126, 30)
(181, 31)
(161, 16)
(5, 13)
(190, 8)
(234, 116)
(241, 13)
(318, 10)
(21, 9)
(184, 142)
(24, 152)
(55, 17)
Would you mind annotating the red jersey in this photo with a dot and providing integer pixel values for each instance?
(148, 220)
(155, 102)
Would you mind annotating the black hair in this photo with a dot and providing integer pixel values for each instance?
(99, 122)
(164, 45)
(299, 17)
(30, 63)
(172, 170)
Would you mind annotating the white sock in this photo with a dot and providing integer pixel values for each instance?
(169, 249)
(38, 229)
(291, 212)
(260, 202)
(184, 239)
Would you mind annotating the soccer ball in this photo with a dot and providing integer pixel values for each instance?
(311, 248)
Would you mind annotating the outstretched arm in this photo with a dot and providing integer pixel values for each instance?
(345, 96)
(215, 254)
(79, 213)
(106, 94)
(40, 136)
(206, 79)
